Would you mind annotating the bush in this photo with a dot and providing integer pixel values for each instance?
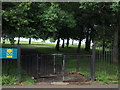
(9, 80)
(10, 75)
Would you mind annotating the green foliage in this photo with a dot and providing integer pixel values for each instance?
(52, 40)
(28, 80)
(10, 75)
(107, 74)
(0, 80)
(55, 19)
(9, 80)
(104, 73)
(14, 18)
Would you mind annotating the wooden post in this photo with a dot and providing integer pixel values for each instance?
(93, 63)
(19, 64)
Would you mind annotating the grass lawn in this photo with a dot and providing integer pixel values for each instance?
(47, 47)
(71, 49)
(105, 73)
(25, 43)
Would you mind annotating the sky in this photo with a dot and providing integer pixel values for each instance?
(48, 41)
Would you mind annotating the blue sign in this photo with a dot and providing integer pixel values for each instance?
(8, 53)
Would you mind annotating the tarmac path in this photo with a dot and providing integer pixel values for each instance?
(45, 85)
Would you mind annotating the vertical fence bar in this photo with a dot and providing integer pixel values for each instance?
(37, 65)
(106, 60)
(93, 63)
(63, 67)
(110, 49)
(111, 55)
(18, 63)
(54, 64)
(77, 64)
(41, 65)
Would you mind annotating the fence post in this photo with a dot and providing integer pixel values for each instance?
(19, 63)
(63, 67)
(54, 64)
(37, 65)
(93, 63)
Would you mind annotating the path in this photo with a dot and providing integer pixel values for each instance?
(45, 85)
(28, 50)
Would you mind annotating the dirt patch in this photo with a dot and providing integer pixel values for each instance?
(59, 83)
(71, 78)
(76, 78)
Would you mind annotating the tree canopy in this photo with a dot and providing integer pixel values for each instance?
(93, 21)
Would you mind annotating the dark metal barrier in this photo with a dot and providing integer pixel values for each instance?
(64, 67)
(59, 66)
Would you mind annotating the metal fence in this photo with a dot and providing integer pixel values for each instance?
(64, 67)
(9, 67)
(105, 64)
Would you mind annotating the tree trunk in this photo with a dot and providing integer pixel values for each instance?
(12, 41)
(63, 43)
(119, 42)
(29, 40)
(115, 46)
(79, 45)
(103, 47)
(0, 40)
(103, 39)
(72, 42)
(57, 45)
(18, 40)
(87, 43)
(67, 45)
(3, 40)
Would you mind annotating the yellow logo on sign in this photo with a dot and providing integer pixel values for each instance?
(9, 52)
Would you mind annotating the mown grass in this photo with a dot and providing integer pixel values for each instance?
(71, 49)
(26, 42)
(23, 42)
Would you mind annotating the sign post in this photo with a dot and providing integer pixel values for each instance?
(19, 64)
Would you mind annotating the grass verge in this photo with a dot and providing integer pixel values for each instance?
(10, 74)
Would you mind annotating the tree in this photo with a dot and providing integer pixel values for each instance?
(56, 21)
(115, 7)
(14, 19)
(78, 31)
